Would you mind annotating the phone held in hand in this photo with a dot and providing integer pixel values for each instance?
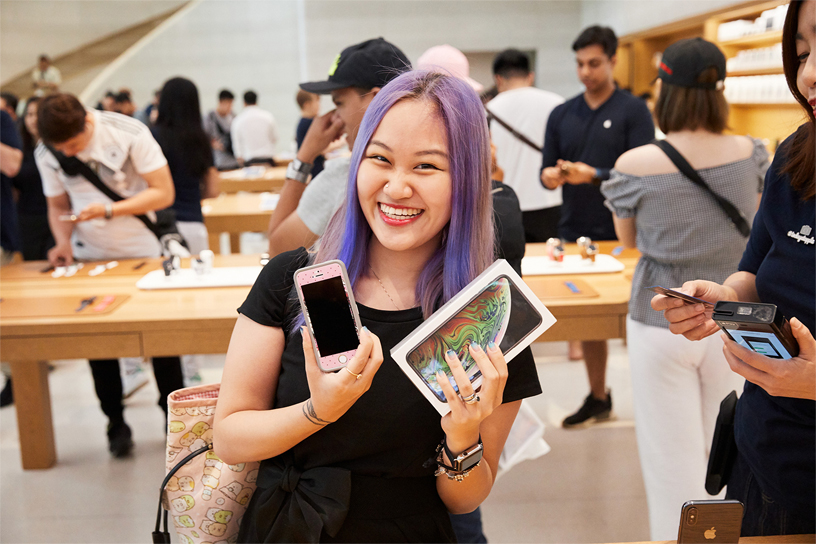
(759, 327)
(710, 522)
(660, 290)
(330, 312)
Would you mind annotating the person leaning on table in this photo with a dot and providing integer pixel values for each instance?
(126, 158)
(775, 427)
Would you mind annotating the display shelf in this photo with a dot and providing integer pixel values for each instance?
(754, 40)
(775, 70)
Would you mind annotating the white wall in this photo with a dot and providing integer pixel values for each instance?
(626, 16)
(29, 28)
(242, 44)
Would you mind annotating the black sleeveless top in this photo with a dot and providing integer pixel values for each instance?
(361, 478)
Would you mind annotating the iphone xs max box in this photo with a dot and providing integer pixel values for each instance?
(496, 307)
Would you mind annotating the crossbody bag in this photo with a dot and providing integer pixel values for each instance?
(164, 227)
(734, 215)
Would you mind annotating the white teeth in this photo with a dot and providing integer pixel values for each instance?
(399, 213)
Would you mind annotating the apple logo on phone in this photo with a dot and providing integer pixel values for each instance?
(710, 534)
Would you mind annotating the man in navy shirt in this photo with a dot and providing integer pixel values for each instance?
(11, 157)
(584, 138)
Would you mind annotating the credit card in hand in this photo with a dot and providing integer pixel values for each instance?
(660, 290)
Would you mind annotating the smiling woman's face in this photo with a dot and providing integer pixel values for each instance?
(806, 51)
(404, 183)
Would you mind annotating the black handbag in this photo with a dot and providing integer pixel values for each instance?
(687, 170)
(164, 227)
(723, 447)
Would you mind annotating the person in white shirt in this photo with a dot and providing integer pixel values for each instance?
(254, 133)
(45, 78)
(526, 110)
(126, 158)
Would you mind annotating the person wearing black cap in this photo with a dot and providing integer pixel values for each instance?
(584, 137)
(683, 234)
(355, 76)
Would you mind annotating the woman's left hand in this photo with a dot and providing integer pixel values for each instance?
(94, 210)
(794, 377)
(461, 425)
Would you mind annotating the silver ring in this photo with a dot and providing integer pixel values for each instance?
(472, 400)
(469, 398)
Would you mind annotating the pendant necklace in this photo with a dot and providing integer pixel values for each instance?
(384, 289)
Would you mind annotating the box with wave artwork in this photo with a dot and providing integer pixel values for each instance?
(497, 306)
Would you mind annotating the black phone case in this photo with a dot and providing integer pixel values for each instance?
(710, 522)
(771, 321)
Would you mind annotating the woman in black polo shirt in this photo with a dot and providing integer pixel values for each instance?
(775, 428)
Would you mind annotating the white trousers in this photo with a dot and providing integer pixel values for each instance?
(677, 387)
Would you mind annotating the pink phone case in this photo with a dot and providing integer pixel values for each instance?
(317, 273)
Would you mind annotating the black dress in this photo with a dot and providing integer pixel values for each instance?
(361, 478)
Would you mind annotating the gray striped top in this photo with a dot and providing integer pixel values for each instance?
(682, 233)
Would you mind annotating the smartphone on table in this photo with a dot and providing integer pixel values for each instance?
(660, 290)
(710, 522)
(759, 327)
(330, 313)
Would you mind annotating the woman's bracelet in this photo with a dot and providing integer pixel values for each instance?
(109, 210)
(462, 463)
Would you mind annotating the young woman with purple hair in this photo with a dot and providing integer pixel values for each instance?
(348, 458)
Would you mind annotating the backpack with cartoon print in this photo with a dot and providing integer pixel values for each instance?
(206, 497)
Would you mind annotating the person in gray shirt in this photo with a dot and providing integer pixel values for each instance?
(217, 125)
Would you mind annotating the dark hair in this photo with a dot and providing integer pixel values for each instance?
(304, 97)
(225, 94)
(44, 57)
(11, 100)
(597, 35)
(800, 158)
(25, 135)
(687, 108)
(178, 126)
(122, 97)
(60, 117)
(511, 63)
(250, 98)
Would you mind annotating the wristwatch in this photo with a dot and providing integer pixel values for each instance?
(596, 179)
(299, 171)
(461, 464)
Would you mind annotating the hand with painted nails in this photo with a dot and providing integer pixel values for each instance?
(333, 393)
(693, 320)
(469, 407)
(795, 378)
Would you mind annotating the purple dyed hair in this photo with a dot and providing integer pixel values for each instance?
(467, 246)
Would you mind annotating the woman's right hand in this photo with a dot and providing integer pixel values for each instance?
(333, 393)
(693, 320)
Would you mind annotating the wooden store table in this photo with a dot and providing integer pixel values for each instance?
(254, 179)
(38, 322)
(236, 213)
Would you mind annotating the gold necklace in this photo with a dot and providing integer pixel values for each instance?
(384, 289)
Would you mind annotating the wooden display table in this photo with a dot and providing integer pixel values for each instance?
(235, 213)
(171, 322)
(269, 179)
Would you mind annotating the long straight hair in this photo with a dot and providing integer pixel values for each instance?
(801, 155)
(179, 128)
(467, 245)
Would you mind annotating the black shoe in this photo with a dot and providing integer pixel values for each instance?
(119, 439)
(593, 411)
(7, 395)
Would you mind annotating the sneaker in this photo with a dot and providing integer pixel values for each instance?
(7, 395)
(593, 411)
(120, 443)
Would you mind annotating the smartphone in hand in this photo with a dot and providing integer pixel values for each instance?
(759, 327)
(710, 522)
(330, 312)
(660, 290)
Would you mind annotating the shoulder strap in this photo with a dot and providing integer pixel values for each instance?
(511, 130)
(74, 166)
(736, 216)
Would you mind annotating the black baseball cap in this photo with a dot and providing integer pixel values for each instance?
(684, 61)
(369, 64)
